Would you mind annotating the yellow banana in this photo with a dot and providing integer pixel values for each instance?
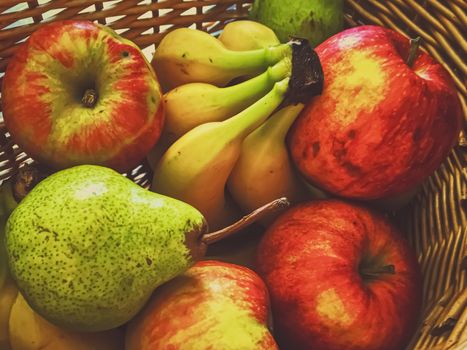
(189, 55)
(7, 298)
(29, 331)
(264, 170)
(193, 104)
(196, 167)
(247, 35)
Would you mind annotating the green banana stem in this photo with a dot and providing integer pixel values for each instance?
(280, 122)
(255, 88)
(251, 118)
(255, 59)
(280, 70)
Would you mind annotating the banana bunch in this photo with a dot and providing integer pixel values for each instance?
(218, 140)
(200, 101)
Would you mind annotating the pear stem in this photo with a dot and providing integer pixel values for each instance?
(414, 45)
(258, 214)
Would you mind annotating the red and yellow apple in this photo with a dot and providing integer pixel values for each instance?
(382, 124)
(214, 305)
(77, 93)
(340, 277)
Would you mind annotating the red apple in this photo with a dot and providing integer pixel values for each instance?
(381, 126)
(340, 277)
(214, 305)
(77, 93)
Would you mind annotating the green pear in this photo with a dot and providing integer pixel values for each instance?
(87, 246)
(315, 20)
(12, 191)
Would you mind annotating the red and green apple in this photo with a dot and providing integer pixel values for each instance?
(384, 121)
(214, 305)
(340, 277)
(77, 93)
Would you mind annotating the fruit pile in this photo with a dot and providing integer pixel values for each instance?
(236, 129)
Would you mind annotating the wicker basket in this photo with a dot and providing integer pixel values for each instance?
(435, 220)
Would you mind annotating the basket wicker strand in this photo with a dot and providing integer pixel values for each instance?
(435, 221)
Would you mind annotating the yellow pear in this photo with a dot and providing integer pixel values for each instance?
(29, 331)
(8, 295)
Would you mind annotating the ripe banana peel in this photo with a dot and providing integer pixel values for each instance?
(7, 297)
(247, 35)
(196, 167)
(264, 169)
(188, 55)
(193, 104)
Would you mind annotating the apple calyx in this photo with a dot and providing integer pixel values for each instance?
(368, 273)
(89, 98)
(414, 45)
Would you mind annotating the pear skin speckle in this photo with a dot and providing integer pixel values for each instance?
(87, 246)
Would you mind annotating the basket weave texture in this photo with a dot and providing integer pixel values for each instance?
(434, 221)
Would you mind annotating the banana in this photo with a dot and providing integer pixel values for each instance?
(29, 331)
(7, 298)
(247, 35)
(188, 55)
(264, 170)
(196, 167)
(193, 104)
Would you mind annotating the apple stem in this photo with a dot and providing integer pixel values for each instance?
(89, 98)
(414, 45)
(258, 214)
(369, 273)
